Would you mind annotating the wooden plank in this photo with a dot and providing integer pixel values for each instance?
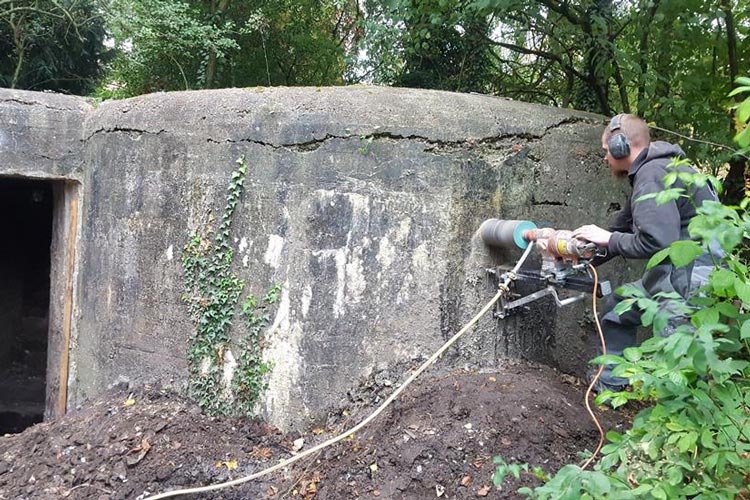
(62, 396)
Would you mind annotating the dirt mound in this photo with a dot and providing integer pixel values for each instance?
(437, 440)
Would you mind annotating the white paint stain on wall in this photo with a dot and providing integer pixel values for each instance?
(393, 242)
(355, 278)
(403, 230)
(281, 320)
(306, 300)
(273, 252)
(351, 281)
(386, 252)
(420, 271)
(284, 337)
(230, 366)
(361, 208)
(420, 262)
(338, 304)
(339, 257)
(403, 292)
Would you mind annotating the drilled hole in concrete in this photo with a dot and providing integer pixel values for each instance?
(26, 229)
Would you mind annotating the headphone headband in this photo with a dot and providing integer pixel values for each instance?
(616, 123)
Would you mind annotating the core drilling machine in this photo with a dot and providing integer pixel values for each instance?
(565, 263)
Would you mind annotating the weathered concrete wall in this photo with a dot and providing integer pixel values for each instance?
(40, 134)
(361, 201)
(40, 138)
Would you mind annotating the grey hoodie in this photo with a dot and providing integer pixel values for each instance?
(642, 228)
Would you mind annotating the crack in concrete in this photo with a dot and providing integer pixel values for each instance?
(316, 143)
(49, 158)
(547, 202)
(566, 121)
(37, 103)
(123, 129)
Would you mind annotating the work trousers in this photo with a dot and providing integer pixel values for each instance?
(620, 330)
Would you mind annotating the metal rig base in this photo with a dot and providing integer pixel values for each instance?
(571, 278)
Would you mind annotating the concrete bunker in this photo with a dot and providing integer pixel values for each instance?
(362, 206)
(34, 276)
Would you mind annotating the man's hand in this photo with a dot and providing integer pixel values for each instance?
(594, 234)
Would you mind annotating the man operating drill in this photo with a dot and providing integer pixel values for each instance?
(644, 227)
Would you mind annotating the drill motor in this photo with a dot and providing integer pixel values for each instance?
(565, 260)
(553, 243)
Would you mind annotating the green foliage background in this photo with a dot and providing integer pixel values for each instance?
(51, 45)
(670, 61)
(182, 45)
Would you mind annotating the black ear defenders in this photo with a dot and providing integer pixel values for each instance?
(618, 144)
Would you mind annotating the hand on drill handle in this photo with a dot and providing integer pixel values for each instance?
(594, 234)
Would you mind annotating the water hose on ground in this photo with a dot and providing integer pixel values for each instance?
(598, 373)
(503, 289)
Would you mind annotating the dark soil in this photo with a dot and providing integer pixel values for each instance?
(437, 440)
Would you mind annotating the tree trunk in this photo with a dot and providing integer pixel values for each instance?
(20, 47)
(643, 57)
(738, 178)
(569, 83)
(622, 87)
(726, 7)
(663, 63)
(218, 16)
(601, 55)
(19, 64)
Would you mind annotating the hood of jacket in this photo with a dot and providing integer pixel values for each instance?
(657, 150)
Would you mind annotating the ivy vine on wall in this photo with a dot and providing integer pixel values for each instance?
(226, 377)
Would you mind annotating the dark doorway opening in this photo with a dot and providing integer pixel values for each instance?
(26, 220)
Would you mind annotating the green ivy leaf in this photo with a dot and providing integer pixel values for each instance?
(705, 316)
(743, 109)
(670, 179)
(659, 493)
(624, 306)
(668, 195)
(606, 359)
(743, 138)
(632, 354)
(678, 378)
(599, 484)
(618, 401)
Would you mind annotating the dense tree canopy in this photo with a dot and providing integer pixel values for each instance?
(51, 45)
(671, 61)
(195, 44)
